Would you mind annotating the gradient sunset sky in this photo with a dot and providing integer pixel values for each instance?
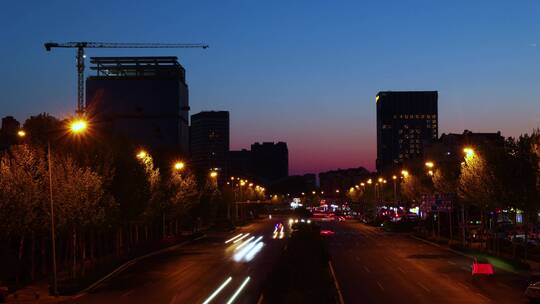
(303, 72)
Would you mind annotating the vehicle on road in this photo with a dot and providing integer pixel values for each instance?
(533, 292)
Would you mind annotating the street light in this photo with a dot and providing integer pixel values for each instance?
(179, 165)
(369, 181)
(21, 133)
(78, 126)
(380, 180)
(405, 173)
(469, 152)
(430, 164)
(142, 154)
(213, 174)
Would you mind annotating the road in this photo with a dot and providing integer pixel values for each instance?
(373, 266)
(192, 273)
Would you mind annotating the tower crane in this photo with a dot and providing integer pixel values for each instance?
(80, 46)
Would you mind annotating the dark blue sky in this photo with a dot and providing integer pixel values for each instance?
(305, 72)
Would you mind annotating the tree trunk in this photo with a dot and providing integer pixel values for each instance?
(32, 257)
(20, 256)
(74, 265)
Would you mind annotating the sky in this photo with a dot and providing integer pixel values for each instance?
(303, 72)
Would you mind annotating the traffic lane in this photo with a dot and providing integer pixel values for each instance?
(388, 267)
(186, 275)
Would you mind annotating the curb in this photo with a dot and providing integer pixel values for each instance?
(129, 263)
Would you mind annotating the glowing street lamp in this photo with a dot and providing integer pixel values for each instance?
(213, 174)
(21, 133)
(405, 173)
(380, 179)
(142, 154)
(430, 164)
(362, 184)
(337, 190)
(179, 165)
(394, 177)
(369, 181)
(469, 152)
(78, 126)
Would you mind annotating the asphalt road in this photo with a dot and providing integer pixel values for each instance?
(193, 272)
(373, 266)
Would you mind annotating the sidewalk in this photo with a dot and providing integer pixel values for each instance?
(39, 291)
(497, 262)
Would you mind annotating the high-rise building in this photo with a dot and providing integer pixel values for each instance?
(406, 121)
(140, 99)
(209, 140)
(270, 161)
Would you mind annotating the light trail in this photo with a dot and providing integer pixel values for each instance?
(217, 291)
(234, 238)
(251, 254)
(237, 292)
(241, 238)
(240, 254)
(244, 243)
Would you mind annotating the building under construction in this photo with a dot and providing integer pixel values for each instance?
(141, 99)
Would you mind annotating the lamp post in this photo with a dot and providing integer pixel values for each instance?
(394, 178)
(76, 127)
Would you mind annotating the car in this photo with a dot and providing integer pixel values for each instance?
(533, 292)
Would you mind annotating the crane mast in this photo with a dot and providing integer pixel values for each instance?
(80, 46)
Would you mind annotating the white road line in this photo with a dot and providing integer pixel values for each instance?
(217, 291)
(401, 270)
(366, 269)
(451, 263)
(237, 292)
(423, 287)
(387, 259)
(340, 296)
(380, 286)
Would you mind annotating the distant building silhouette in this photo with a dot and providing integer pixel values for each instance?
(209, 143)
(8, 132)
(406, 121)
(240, 164)
(270, 161)
(142, 99)
(342, 179)
(294, 185)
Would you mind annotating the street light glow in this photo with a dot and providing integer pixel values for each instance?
(213, 174)
(429, 164)
(405, 173)
(78, 126)
(394, 177)
(469, 152)
(142, 154)
(179, 165)
(369, 181)
(21, 133)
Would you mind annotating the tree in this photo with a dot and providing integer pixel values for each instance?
(22, 180)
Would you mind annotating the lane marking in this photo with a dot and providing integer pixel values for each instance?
(125, 294)
(217, 291)
(387, 259)
(173, 299)
(340, 296)
(366, 269)
(237, 292)
(423, 287)
(380, 286)
(401, 270)
(451, 263)
(234, 238)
